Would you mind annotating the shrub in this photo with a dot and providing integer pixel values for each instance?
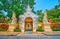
(4, 26)
(56, 29)
(2, 20)
(2, 29)
(39, 29)
(17, 30)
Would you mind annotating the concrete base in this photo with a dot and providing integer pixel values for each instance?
(47, 28)
(11, 27)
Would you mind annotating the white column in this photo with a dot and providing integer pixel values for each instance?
(34, 26)
(22, 26)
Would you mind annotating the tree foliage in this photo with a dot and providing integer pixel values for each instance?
(17, 6)
(54, 13)
(40, 15)
(2, 15)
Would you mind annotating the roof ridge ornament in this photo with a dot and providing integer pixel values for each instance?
(28, 8)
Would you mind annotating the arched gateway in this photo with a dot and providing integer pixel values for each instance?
(28, 20)
(28, 25)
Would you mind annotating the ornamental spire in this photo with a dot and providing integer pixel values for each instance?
(45, 13)
(14, 20)
(28, 8)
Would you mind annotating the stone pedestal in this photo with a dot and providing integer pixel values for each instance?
(47, 28)
(11, 27)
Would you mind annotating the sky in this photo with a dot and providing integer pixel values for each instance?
(44, 4)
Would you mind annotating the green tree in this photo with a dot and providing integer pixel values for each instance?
(54, 13)
(17, 6)
(40, 15)
(2, 15)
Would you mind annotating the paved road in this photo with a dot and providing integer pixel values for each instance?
(29, 36)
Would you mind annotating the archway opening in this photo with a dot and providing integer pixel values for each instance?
(28, 25)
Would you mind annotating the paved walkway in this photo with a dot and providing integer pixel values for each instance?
(29, 33)
(30, 37)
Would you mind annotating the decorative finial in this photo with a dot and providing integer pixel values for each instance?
(45, 13)
(28, 8)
